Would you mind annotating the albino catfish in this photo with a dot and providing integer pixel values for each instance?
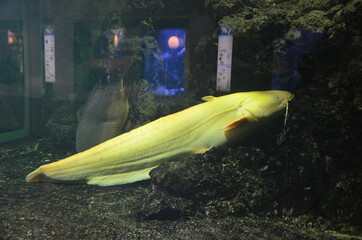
(131, 156)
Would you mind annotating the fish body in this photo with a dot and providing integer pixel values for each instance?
(106, 110)
(130, 156)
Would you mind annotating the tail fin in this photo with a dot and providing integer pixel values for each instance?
(38, 176)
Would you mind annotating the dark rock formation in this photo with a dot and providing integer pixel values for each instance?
(313, 166)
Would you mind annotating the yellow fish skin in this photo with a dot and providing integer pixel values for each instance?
(131, 156)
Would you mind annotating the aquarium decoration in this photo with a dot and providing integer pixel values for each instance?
(224, 60)
(49, 56)
(164, 66)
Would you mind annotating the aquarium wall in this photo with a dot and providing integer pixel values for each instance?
(14, 102)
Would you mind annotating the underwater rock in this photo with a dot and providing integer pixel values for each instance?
(315, 20)
(221, 182)
(344, 196)
(159, 205)
(350, 14)
(309, 5)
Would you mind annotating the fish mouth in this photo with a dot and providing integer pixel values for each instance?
(285, 101)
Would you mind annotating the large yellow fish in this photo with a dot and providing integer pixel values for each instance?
(131, 156)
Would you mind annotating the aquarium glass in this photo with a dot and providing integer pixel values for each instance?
(180, 119)
(13, 87)
(164, 65)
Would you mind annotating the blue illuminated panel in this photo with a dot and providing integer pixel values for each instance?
(164, 64)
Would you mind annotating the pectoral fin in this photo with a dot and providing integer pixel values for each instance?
(234, 124)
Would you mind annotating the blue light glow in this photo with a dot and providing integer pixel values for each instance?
(164, 65)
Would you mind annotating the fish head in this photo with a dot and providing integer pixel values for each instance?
(260, 105)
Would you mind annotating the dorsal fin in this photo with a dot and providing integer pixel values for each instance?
(208, 98)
